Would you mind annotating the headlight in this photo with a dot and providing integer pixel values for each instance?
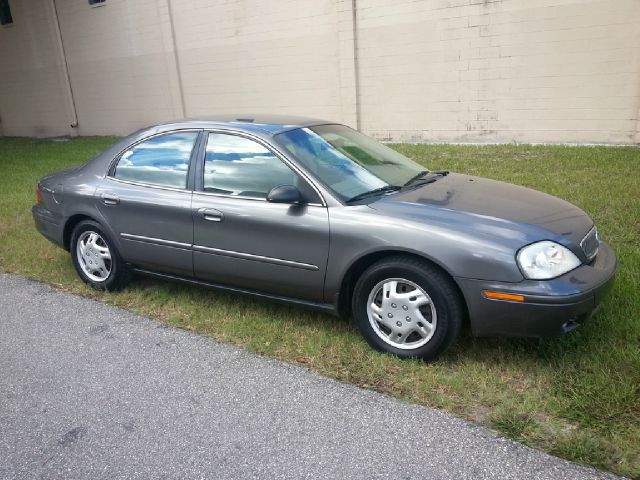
(545, 260)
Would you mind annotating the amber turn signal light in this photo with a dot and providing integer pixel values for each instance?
(503, 296)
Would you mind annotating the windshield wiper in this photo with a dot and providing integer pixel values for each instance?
(416, 178)
(419, 180)
(375, 191)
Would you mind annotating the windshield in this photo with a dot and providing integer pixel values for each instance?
(347, 161)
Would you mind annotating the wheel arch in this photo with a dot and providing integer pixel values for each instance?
(78, 217)
(69, 225)
(358, 266)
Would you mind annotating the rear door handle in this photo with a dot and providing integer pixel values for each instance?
(211, 214)
(110, 199)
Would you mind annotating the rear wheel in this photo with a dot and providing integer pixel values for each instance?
(407, 307)
(96, 258)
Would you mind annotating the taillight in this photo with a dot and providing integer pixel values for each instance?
(38, 195)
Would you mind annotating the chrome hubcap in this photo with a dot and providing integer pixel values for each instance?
(94, 256)
(401, 313)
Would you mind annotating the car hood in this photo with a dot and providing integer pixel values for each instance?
(483, 197)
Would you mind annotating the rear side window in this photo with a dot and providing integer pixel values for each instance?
(239, 166)
(162, 160)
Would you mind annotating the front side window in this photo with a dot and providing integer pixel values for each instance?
(162, 160)
(347, 161)
(239, 166)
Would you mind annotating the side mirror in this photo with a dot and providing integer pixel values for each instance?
(284, 194)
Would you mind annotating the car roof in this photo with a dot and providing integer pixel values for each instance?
(270, 124)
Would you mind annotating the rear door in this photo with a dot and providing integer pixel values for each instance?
(146, 200)
(242, 240)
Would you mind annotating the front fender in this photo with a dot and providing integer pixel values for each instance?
(468, 252)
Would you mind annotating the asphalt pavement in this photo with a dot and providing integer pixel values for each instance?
(90, 391)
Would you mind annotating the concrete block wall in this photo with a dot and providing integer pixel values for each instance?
(482, 71)
(121, 63)
(32, 99)
(252, 56)
(500, 71)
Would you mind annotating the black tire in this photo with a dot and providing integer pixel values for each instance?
(119, 274)
(443, 293)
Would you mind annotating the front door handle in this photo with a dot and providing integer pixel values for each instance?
(211, 214)
(110, 199)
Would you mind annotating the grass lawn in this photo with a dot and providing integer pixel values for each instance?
(576, 396)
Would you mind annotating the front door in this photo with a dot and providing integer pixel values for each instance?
(147, 203)
(241, 239)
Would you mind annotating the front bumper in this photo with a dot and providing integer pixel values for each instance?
(48, 224)
(550, 306)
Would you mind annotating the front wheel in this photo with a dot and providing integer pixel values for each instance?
(407, 307)
(96, 258)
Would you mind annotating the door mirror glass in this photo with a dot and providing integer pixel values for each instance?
(284, 194)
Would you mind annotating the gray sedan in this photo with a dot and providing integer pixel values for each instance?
(316, 214)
